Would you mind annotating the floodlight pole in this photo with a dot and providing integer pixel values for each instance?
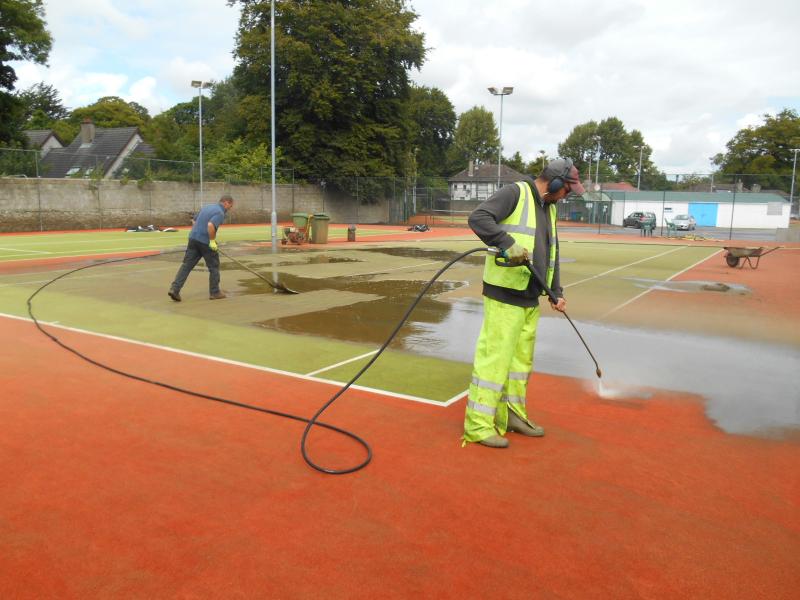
(506, 91)
(639, 178)
(200, 85)
(794, 168)
(274, 219)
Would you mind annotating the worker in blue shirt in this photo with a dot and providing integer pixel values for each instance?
(203, 244)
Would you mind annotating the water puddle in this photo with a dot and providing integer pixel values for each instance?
(690, 286)
(370, 322)
(747, 385)
(429, 254)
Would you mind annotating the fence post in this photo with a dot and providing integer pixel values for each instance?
(733, 208)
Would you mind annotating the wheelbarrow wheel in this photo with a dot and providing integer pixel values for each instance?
(733, 261)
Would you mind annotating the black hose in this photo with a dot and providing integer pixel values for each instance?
(309, 422)
(413, 305)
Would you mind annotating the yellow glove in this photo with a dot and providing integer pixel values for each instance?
(213, 245)
(517, 254)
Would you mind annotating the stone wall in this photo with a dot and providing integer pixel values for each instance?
(62, 204)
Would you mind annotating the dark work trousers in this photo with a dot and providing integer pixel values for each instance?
(194, 252)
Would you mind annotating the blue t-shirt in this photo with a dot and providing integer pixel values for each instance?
(210, 213)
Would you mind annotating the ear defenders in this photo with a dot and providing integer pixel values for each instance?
(557, 182)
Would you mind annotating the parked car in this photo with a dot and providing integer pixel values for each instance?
(635, 219)
(684, 222)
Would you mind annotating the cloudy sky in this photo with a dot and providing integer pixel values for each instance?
(687, 74)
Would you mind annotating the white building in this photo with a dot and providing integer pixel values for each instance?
(750, 210)
(478, 183)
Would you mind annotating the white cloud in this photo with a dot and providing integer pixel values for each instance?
(686, 75)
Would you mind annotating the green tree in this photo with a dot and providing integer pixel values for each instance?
(112, 111)
(173, 133)
(43, 106)
(434, 123)
(476, 138)
(618, 156)
(341, 82)
(516, 162)
(763, 154)
(235, 161)
(23, 36)
(537, 165)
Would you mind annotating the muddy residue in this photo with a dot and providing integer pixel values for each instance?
(690, 286)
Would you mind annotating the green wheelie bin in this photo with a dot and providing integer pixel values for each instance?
(319, 228)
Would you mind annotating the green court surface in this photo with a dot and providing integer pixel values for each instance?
(54, 245)
(128, 299)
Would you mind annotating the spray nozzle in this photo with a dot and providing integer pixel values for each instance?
(498, 252)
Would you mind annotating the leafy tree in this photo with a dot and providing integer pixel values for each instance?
(516, 162)
(235, 161)
(226, 117)
(476, 138)
(23, 36)
(173, 133)
(434, 122)
(618, 153)
(112, 111)
(537, 165)
(43, 106)
(763, 154)
(341, 82)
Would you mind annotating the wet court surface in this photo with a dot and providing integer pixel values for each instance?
(747, 385)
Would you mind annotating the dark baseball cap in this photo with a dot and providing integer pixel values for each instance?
(563, 167)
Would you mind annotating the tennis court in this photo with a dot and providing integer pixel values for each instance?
(121, 488)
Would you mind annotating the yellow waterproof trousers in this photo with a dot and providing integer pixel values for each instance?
(503, 363)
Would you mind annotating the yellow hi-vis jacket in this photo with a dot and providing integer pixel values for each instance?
(521, 225)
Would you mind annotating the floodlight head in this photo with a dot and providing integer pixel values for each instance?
(493, 90)
(507, 90)
(196, 83)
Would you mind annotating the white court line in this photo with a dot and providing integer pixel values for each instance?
(626, 266)
(627, 302)
(398, 268)
(26, 251)
(82, 276)
(339, 364)
(84, 242)
(126, 250)
(240, 364)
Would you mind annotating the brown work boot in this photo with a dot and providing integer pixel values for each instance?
(217, 296)
(495, 441)
(528, 428)
(174, 294)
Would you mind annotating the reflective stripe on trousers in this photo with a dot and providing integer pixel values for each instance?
(503, 362)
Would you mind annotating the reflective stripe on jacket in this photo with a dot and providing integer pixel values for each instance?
(521, 225)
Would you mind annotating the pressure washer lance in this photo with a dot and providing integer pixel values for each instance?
(501, 254)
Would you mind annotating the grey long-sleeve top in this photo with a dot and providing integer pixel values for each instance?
(484, 222)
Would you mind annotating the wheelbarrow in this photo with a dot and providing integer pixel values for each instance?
(734, 255)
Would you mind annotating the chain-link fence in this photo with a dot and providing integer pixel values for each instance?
(713, 205)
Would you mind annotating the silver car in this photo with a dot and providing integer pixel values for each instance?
(684, 222)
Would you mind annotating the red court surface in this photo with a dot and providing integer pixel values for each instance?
(118, 489)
